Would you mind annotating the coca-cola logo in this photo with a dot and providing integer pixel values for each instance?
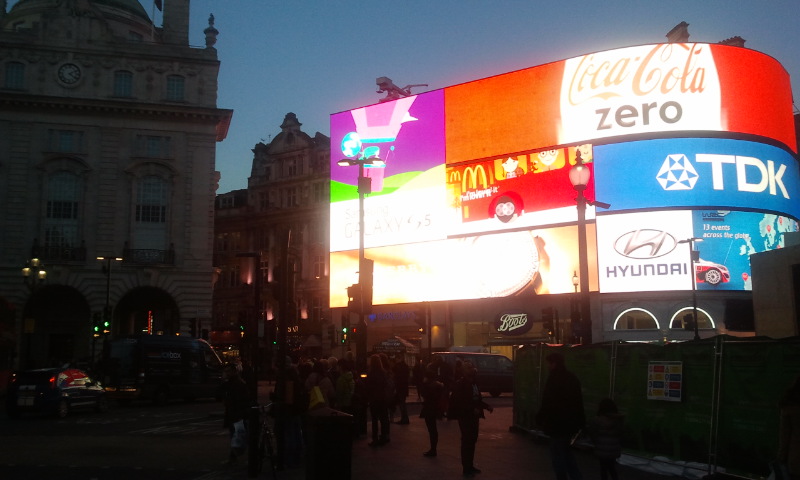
(665, 69)
(649, 88)
(512, 324)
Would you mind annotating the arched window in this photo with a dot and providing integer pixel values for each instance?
(175, 88)
(62, 199)
(123, 84)
(684, 318)
(635, 319)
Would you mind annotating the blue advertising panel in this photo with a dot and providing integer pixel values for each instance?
(729, 238)
(697, 173)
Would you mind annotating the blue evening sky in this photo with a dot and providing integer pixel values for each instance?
(317, 57)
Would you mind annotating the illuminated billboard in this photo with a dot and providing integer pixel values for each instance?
(476, 174)
(649, 251)
(697, 173)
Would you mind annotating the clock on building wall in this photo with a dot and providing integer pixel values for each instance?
(69, 74)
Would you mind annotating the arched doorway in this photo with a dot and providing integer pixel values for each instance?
(146, 310)
(55, 327)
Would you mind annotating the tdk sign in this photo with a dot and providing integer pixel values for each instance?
(697, 173)
(677, 173)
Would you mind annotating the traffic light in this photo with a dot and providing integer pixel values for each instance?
(97, 324)
(547, 321)
(107, 320)
(421, 319)
(365, 275)
(344, 335)
(332, 335)
(354, 298)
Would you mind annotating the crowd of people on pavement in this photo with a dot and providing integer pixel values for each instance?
(445, 391)
(450, 391)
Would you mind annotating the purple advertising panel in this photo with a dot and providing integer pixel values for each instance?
(697, 173)
(406, 202)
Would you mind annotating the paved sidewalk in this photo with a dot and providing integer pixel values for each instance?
(501, 453)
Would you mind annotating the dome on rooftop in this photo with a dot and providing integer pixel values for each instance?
(130, 6)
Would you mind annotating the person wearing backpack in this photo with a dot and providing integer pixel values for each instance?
(377, 398)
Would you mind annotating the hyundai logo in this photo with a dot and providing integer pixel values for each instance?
(645, 243)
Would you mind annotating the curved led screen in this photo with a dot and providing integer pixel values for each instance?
(461, 184)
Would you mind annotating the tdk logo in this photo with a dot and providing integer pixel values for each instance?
(751, 174)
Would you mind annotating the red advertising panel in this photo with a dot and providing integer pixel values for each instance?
(636, 90)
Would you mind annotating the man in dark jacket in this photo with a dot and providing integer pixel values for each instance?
(467, 405)
(561, 416)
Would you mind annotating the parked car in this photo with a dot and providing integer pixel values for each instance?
(495, 372)
(54, 391)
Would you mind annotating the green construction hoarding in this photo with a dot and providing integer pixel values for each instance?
(711, 401)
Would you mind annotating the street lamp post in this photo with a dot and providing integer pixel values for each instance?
(34, 275)
(579, 176)
(254, 327)
(694, 255)
(364, 273)
(107, 308)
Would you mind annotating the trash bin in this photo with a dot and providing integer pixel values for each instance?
(329, 444)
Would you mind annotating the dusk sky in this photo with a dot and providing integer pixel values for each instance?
(315, 58)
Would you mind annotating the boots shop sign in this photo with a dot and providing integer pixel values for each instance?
(512, 324)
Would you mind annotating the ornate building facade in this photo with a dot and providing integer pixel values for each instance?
(107, 173)
(281, 219)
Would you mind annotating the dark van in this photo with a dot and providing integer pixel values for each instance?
(495, 372)
(160, 368)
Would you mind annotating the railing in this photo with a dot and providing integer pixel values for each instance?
(148, 256)
(59, 254)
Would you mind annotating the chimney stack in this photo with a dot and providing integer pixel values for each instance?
(679, 33)
(176, 22)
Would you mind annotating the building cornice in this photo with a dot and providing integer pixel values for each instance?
(219, 116)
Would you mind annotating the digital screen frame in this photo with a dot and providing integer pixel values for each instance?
(476, 174)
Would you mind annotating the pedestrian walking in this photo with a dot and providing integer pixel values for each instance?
(402, 375)
(236, 398)
(345, 386)
(417, 376)
(467, 406)
(377, 383)
(561, 416)
(605, 430)
(432, 391)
